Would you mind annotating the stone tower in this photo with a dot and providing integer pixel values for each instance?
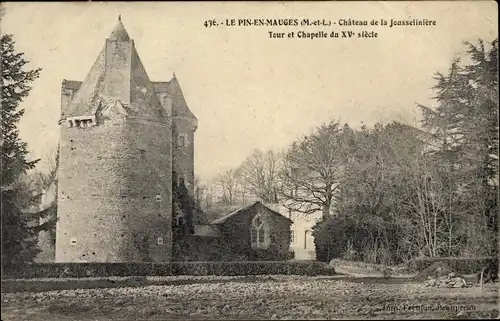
(115, 166)
(184, 125)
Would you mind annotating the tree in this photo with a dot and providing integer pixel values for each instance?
(465, 121)
(259, 175)
(18, 239)
(48, 204)
(199, 192)
(313, 169)
(183, 209)
(228, 184)
(377, 174)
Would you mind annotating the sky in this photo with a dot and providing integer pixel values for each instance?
(246, 89)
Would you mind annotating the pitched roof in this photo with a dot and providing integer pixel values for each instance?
(173, 89)
(223, 219)
(113, 78)
(71, 84)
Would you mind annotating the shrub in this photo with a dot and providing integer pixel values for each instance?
(358, 238)
(233, 268)
(458, 264)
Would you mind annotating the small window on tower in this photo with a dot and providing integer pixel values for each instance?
(159, 241)
(158, 197)
(181, 180)
(181, 142)
(72, 241)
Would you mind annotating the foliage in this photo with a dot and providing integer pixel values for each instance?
(356, 238)
(465, 123)
(314, 169)
(464, 265)
(183, 211)
(430, 192)
(18, 238)
(57, 270)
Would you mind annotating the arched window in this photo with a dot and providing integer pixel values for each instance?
(308, 240)
(259, 233)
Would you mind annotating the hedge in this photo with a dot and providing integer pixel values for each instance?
(235, 268)
(458, 264)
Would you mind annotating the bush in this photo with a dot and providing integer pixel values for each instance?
(458, 264)
(235, 268)
(358, 238)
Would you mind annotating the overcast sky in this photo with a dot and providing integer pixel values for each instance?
(247, 90)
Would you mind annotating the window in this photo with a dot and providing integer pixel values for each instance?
(308, 240)
(182, 140)
(259, 233)
(73, 241)
(292, 237)
(181, 181)
(158, 198)
(159, 241)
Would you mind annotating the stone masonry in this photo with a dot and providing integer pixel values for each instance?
(119, 140)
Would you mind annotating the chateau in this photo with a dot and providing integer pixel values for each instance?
(124, 139)
(125, 142)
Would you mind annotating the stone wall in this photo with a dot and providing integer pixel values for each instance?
(114, 195)
(183, 156)
(235, 233)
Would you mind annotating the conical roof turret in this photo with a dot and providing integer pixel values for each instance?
(119, 33)
(117, 75)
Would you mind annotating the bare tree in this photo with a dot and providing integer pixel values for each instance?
(50, 177)
(228, 184)
(260, 175)
(314, 169)
(241, 191)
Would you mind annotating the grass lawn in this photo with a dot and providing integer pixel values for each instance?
(275, 297)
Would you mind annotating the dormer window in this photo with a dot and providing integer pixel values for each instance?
(82, 121)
